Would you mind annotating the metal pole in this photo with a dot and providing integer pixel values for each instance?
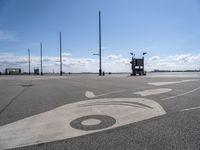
(144, 53)
(100, 70)
(29, 62)
(41, 57)
(199, 63)
(60, 54)
(143, 72)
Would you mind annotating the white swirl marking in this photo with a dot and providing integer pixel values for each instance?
(54, 125)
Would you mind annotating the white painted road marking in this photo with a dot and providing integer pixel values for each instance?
(173, 75)
(54, 125)
(153, 91)
(182, 94)
(90, 94)
(192, 108)
(174, 82)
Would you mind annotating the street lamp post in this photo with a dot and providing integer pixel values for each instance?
(144, 53)
(199, 63)
(133, 55)
(60, 54)
(100, 69)
(132, 64)
(41, 58)
(29, 62)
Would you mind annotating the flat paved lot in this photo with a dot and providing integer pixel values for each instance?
(157, 111)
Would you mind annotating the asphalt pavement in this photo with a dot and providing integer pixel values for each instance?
(88, 112)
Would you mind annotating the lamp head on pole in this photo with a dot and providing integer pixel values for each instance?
(144, 53)
(133, 55)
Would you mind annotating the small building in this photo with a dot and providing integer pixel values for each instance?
(36, 71)
(12, 71)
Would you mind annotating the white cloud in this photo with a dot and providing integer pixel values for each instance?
(7, 36)
(110, 63)
(174, 62)
(185, 57)
(154, 58)
(111, 57)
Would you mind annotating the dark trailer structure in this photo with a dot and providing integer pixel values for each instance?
(137, 66)
(12, 71)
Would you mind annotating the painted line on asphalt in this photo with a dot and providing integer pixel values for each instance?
(77, 119)
(90, 94)
(153, 91)
(182, 94)
(174, 82)
(172, 75)
(192, 108)
(163, 83)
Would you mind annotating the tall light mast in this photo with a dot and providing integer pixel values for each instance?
(41, 58)
(60, 54)
(100, 69)
(29, 62)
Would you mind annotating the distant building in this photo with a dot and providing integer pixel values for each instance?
(12, 71)
(36, 71)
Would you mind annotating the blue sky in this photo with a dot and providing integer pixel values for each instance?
(166, 29)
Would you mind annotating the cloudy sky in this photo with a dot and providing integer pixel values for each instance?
(168, 30)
